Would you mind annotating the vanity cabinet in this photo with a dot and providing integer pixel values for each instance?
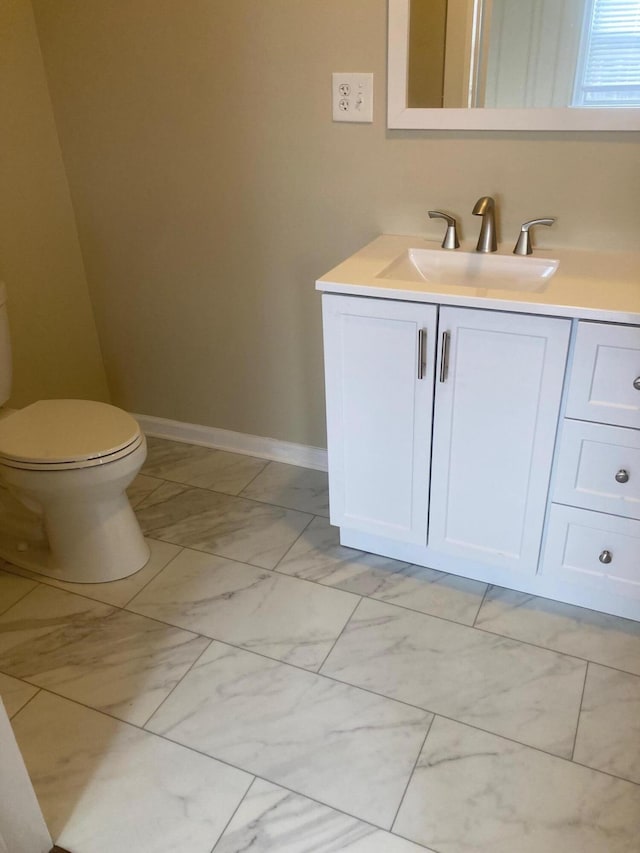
(487, 397)
(484, 415)
(593, 539)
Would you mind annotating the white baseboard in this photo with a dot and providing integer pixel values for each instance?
(235, 442)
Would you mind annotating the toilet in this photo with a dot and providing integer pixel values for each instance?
(70, 461)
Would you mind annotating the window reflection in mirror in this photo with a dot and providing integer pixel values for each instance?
(515, 54)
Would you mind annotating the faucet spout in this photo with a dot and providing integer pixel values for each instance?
(486, 208)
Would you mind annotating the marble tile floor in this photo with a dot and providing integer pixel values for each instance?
(258, 687)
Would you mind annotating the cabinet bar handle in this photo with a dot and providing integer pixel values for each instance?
(444, 357)
(422, 349)
(606, 557)
(622, 476)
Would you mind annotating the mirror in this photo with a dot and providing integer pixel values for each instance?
(514, 64)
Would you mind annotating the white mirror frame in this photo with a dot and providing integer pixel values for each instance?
(402, 117)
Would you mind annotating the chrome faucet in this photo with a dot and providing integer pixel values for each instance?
(523, 246)
(486, 208)
(451, 235)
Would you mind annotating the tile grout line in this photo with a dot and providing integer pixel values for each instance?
(28, 592)
(275, 569)
(234, 813)
(524, 642)
(225, 762)
(174, 626)
(140, 500)
(309, 580)
(180, 680)
(386, 601)
(125, 606)
(292, 790)
(555, 651)
(325, 676)
(280, 784)
(296, 540)
(433, 713)
(584, 687)
(404, 607)
(335, 642)
(484, 598)
(29, 700)
(335, 681)
(413, 770)
(238, 496)
(267, 462)
(316, 515)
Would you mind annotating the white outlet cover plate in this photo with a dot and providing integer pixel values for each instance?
(352, 97)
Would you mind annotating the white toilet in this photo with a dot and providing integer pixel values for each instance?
(71, 462)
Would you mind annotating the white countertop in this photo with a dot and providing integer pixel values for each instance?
(591, 285)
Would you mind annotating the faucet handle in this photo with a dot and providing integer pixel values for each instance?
(523, 246)
(451, 236)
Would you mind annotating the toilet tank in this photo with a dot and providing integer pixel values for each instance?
(6, 365)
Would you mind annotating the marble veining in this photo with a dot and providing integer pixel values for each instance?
(105, 786)
(609, 640)
(529, 694)
(281, 617)
(473, 791)
(200, 466)
(109, 659)
(292, 487)
(334, 743)
(218, 647)
(609, 729)
(274, 820)
(240, 529)
(317, 555)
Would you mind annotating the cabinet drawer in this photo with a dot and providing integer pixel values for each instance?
(599, 468)
(605, 377)
(593, 549)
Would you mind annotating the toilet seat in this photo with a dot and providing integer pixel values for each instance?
(55, 435)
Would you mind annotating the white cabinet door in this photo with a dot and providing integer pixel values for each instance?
(496, 415)
(379, 367)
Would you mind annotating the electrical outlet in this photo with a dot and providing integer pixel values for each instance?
(352, 97)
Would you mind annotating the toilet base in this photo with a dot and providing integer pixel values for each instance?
(110, 546)
(36, 556)
(88, 531)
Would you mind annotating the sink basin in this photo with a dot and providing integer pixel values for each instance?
(472, 269)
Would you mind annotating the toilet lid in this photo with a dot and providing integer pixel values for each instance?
(66, 431)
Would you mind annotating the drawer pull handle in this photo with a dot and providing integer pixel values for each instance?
(444, 356)
(622, 476)
(422, 348)
(636, 383)
(606, 557)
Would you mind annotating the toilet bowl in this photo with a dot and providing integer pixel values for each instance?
(71, 461)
